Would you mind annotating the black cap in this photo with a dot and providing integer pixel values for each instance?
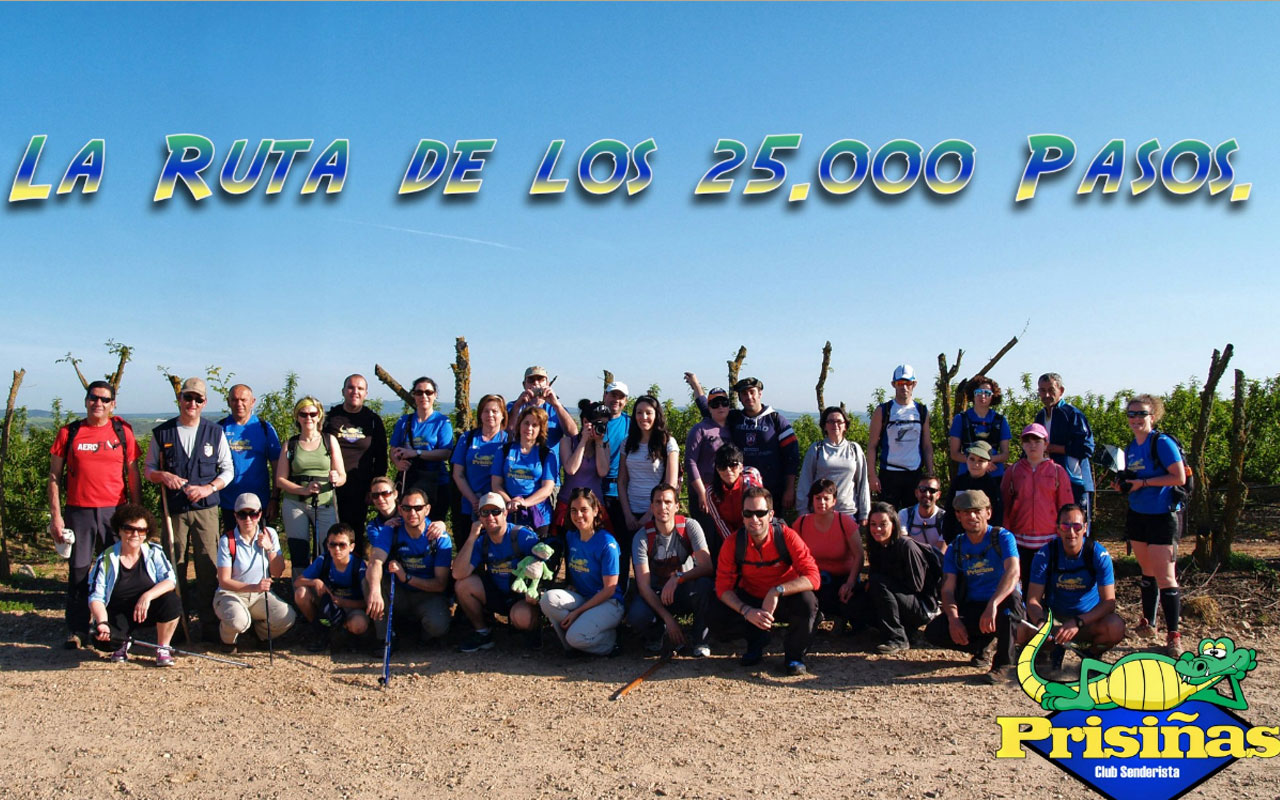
(748, 383)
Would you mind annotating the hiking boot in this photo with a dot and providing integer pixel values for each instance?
(476, 641)
(228, 648)
(121, 655)
(890, 648)
(797, 668)
(164, 657)
(701, 651)
(982, 660)
(1144, 630)
(753, 656)
(1173, 644)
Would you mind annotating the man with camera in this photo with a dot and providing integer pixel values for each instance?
(539, 394)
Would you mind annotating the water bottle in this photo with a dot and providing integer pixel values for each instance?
(68, 539)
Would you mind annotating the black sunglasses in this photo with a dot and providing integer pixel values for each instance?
(748, 513)
(422, 392)
(247, 513)
(719, 402)
(97, 398)
(490, 512)
(417, 509)
(191, 397)
(383, 493)
(1132, 414)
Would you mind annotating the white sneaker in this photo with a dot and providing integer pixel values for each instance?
(701, 651)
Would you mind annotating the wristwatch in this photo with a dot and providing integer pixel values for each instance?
(780, 589)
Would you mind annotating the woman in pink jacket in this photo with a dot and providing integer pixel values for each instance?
(1034, 489)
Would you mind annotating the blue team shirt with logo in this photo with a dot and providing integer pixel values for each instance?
(1075, 591)
(501, 559)
(347, 584)
(982, 570)
(477, 458)
(249, 443)
(588, 562)
(433, 433)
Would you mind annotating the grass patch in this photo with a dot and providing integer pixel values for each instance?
(16, 605)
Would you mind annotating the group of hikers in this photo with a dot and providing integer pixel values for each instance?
(537, 514)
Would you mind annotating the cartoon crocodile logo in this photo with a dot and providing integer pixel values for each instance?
(1141, 681)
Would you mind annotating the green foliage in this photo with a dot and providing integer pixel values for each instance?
(276, 406)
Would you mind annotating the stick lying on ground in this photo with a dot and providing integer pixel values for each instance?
(1069, 645)
(621, 693)
(232, 662)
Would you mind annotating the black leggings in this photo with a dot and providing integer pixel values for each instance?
(164, 608)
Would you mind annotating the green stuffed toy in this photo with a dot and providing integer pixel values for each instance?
(532, 569)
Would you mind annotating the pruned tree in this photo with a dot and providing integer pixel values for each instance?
(461, 368)
(951, 402)
(393, 384)
(822, 376)
(942, 388)
(608, 378)
(735, 366)
(123, 354)
(18, 375)
(1237, 491)
(1199, 510)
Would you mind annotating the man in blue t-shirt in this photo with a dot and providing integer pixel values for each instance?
(254, 446)
(980, 600)
(615, 435)
(483, 572)
(1073, 578)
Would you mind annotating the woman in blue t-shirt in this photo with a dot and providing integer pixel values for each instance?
(473, 458)
(1151, 524)
(421, 444)
(586, 616)
(981, 423)
(526, 473)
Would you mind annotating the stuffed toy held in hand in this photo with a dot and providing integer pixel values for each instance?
(532, 569)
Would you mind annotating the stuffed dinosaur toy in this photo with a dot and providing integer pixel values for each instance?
(532, 569)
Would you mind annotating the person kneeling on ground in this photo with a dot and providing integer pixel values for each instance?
(484, 569)
(899, 598)
(132, 585)
(248, 558)
(585, 617)
(1072, 576)
(333, 586)
(980, 600)
(766, 573)
(673, 574)
(418, 555)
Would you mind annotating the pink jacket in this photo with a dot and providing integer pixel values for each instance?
(1032, 498)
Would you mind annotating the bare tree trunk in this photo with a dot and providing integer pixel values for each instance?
(75, 364)
(1236, 490)
(608, 378)
(822, 377)
(461, 367)
(943, 393)
(734, 367)
(18, 375)
(393, 385)
(1199, 511)
(176, 383)
(125, 352)
(962, 388)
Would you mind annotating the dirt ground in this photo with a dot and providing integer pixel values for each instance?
(509, 723)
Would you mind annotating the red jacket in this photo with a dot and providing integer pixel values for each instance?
(1032, 498)
(757, 581)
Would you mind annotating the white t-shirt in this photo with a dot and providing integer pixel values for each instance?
(643, 474)
(925, 530)
(902, 430)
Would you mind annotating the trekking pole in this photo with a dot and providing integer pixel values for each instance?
(315, 527)
(621, 693)
(385, 680)
(232, 662)
(266, 601)
(169, 546)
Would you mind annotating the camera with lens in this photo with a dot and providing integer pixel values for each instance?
(1123, 477)
(596, 415)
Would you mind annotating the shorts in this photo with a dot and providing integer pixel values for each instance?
(496, 601)
(1159, 529)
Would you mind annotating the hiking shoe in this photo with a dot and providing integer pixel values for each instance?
(476, 641)
(319, 640)
(122, 654)
(797, 668)
(983, 659)
(1173, 644)
(1144, 629)
(701, 651)
(753, 656)
(164, 657)
(889, 648)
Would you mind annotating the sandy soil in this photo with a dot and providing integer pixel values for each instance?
(507, 723)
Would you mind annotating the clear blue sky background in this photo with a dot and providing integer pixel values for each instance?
(1119, 292)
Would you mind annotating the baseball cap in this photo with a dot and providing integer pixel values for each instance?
(1035, 429)
(617, 386)
(980, 449)
(535, 372)
(973, 498)
(248, 500)
(717, 392)
(904, 372)
(491, 499)
(196, 386)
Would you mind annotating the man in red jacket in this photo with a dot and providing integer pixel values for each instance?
(766, 573)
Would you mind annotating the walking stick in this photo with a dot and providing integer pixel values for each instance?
(315, 526)
(169, 545)
(385, 680)
(266, 601)
(230, 661)
(659, 664)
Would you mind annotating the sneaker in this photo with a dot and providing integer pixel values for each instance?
(701, 651)
(164, 657)
(753, 656)
(1144, 629)
(889, 648)
(476, 641)
(1173, 644)
(122, 654)
(319, 639)
(797, 668)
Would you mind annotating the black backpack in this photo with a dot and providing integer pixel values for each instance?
(963, 561)
(882, 447)
(292, 449)
(779, 542)
(118, 428)
(969, 431)
(1055, 553)
(933, 573)
(1180, 493)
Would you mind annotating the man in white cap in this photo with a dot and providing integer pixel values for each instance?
(539, 394)
(191, 461)
(484, 569)
(615, 435)
(901, 446)
(248, 558)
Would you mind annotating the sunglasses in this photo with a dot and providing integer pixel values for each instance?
(422, 392)
(417, 509)
(977, 392)
(719, 402)
(1132, 414)
(247, 513)
(191, 397)
(132, 529)
(383, 493)
(750, 513)
(97, 398)
(308, 414)
(732, 465)
(928, 490)
(490, 512)
(1071, 526)
(339, 545)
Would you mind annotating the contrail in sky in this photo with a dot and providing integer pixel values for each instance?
(430, 233)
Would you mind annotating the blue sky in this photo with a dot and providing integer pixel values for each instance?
(1119, 292)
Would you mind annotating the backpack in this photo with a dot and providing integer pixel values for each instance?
(779, 542)
(484, 544)
(292, 450)
(969, 431)
(883, 446)
(664, 568)
(962, 561)
(117, 426)
(933, 573)
(543, 451)
(936, 526)
(1180, 493)
(1055, 552)
(230, 536)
